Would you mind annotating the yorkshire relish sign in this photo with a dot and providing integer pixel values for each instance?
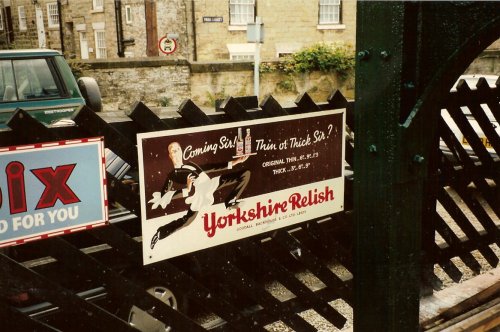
(205, 186)
(51, 189)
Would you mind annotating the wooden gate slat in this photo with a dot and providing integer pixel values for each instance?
(193, 114)
(174, 278)
(330, 245)
(234, 110)
(29, 129)
(145, 117)
(117, 286)
(478, 210)
(454, 242)
(93, 125)
(314, 265)
(55, 294)
(470, 168)
(306, 104)
(452, 271)
(271, 107)
(239, 281)
(14, 320)
(458, 216)
(471, 136)
(286, 277)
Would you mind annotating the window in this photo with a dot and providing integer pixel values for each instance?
(1, 19)
(128, 14)
(286, 49)
(242, 57)
(22, 18)
(28, 80)
(98, 5)
(241, 12)
(241, 52)
(329, 12)
(53, 15)
(100, 44)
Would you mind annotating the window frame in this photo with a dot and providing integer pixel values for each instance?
(100, 50)
(335, 7)
(128, 14)
(238, 4)
(23, 24)
(241, 52)
(1, 19)
(98, 5)
(35, 78)
(241, 57)
(50, 15)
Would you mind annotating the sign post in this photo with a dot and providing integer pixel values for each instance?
(255, 34)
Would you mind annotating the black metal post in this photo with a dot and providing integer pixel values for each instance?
(61, 32)
(388, 181)
(119, 28)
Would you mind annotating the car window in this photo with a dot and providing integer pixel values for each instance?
(67, 76)
(7, 84)
(34, 80)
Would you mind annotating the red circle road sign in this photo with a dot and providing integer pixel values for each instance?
(167, 45)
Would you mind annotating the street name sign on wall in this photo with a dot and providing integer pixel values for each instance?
(51, 189)
(213, 19)
(205, 186)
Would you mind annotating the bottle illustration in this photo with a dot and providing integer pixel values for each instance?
(239, 143)
(248, 142)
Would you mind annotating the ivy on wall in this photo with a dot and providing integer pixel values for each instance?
(318, 57)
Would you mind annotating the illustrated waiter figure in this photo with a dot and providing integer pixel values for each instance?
(193, 183)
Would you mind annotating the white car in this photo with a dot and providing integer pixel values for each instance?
(472, 81)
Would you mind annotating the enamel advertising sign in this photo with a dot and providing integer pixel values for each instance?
(51, 189)
(205, 186)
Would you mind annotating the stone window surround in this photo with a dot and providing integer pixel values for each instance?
(99, 27)
(330, 7)
(331, 27)
(240, 26)
(96, 8)
(22, 18)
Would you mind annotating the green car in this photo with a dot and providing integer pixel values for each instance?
(40, 82)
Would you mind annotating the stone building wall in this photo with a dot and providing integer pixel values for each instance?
(288, 24)
(172, 19)
(488, 62)
(150, 80)
(79, 15)
(136, 29)
(162, 82)
(27, 38)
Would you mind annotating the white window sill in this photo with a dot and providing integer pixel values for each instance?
(331, 26)
(97, 10)
(237, 28)
(53, 27)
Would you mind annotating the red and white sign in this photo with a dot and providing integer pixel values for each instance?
(167, 45)
(210, 185)
(51, 189)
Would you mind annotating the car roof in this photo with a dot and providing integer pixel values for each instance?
(23, 53)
